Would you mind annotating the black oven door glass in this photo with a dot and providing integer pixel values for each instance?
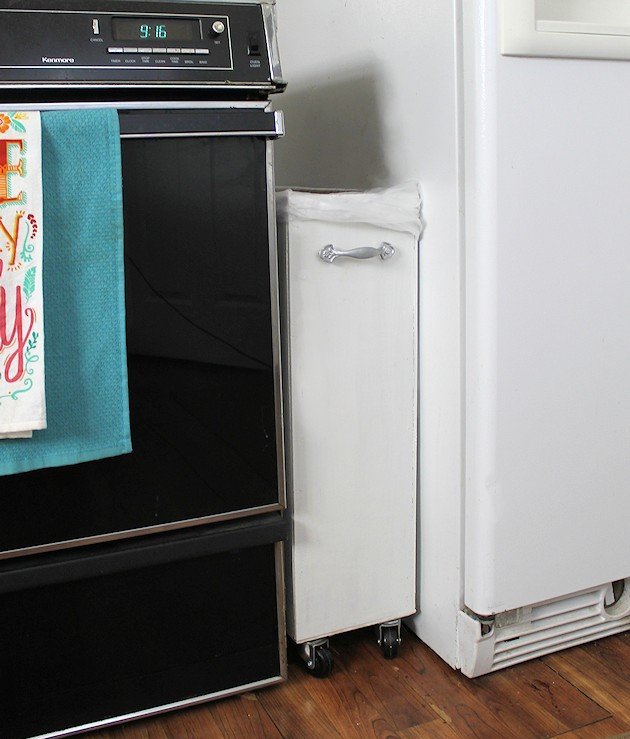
(200, 354)
(131, 627)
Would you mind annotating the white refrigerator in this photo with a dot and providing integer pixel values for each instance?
(531, 552)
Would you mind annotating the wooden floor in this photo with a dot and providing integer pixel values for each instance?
(582, 693)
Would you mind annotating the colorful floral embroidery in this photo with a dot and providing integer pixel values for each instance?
(20, 259)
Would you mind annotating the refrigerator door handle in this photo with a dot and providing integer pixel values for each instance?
(384, 251)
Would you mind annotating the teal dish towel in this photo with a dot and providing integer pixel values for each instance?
(87, 395)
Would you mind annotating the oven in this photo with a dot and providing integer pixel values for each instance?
(153, 581)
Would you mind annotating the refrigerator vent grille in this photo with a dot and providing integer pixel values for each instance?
(533, 631)
(553, 626)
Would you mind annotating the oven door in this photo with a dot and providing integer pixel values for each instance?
(203, 344)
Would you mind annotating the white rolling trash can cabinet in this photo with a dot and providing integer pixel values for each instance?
(349, 292)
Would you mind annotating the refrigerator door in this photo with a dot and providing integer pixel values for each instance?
(352, 346)
(548, 309)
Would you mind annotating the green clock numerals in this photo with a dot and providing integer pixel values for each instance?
(145, 31)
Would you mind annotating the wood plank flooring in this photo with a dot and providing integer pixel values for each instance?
(581, 693)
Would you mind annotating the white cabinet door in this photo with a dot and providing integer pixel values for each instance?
(351, 379)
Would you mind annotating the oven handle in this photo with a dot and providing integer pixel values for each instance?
(97, 561)
(271, 122)
(171, 124)
(198, 134)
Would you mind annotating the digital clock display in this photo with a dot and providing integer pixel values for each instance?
(156, 29)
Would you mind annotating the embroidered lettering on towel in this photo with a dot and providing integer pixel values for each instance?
(6, 169)
(13, 237)
(22, 363)
(14, 363)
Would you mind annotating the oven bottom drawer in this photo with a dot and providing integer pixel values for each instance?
(107, 634)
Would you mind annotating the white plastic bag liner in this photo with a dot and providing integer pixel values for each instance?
(396, 208)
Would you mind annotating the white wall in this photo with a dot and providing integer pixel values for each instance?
(362, 75)
(372, 101)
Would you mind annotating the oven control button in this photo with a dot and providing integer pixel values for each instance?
(115, 50)
(253, 47)
(173, 50)
(130, 50)
(96, 27)
(218, 27)
(202, 51)
(159, 49)
(188, 51)
(144, 50)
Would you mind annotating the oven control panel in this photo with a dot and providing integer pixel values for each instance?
(117, 42)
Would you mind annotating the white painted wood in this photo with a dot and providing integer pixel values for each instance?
(351, 378)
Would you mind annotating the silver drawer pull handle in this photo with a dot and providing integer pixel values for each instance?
(384, 251)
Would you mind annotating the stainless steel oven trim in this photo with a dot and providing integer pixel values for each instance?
(279, 116)
(271, 34)
(144, 105)
(138, 86)
(145, 531)
(283, 250)
(282, 609)
(107, 12)
(275, 321)
(197, 134)
(159, 710)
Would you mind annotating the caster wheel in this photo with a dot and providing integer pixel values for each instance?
(322, 663)
(389, 643)
(388, 634)
(318, 658)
